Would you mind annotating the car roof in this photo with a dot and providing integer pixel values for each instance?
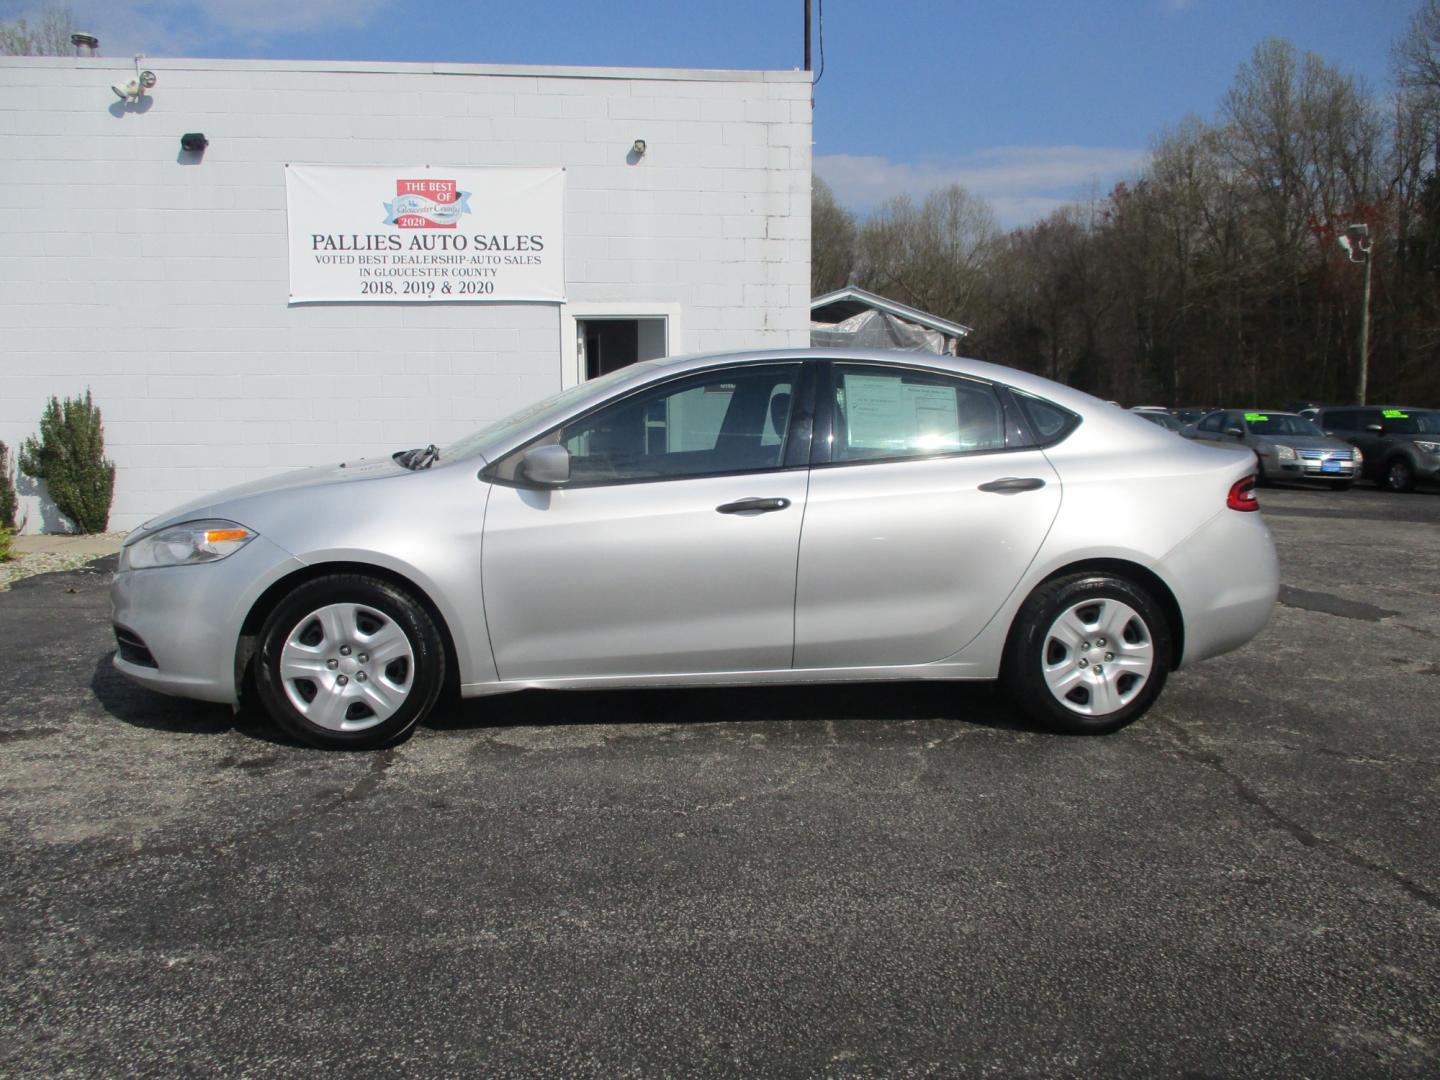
(960, 365)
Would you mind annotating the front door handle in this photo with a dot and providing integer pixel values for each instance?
(1010, 485)
(753, 506)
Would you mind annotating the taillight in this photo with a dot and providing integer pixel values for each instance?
(1242, 495)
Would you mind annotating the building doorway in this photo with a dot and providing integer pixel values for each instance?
(606, 344)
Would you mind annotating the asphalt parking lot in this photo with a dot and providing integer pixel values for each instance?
(855, 881)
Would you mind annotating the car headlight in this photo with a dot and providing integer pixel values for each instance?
(1285, 453)
(1428, 447)
(1359, 457)
(181, 545)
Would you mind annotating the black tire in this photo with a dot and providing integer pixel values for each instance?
(1023, 670)
(419, 675)
(1398, 476)
(1341, 485)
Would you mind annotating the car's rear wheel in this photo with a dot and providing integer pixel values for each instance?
(1398, 475)
(1088, 654)
(349, 661)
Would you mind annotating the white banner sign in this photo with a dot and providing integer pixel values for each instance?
(425, 233)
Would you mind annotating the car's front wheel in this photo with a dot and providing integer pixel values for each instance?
(349, 661)
(1398, 475)
(1088, 654)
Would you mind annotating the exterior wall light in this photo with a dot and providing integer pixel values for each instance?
(194, 142)
(639, 148)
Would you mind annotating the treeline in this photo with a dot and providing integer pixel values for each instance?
(1216, 275)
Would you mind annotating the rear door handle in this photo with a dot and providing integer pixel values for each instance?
(753, 506)
(1010, 485)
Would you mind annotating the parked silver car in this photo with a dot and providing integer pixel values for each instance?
(781, 517)
(1287, 446)
(1160, 417)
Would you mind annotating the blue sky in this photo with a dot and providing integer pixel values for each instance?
(1027, 103)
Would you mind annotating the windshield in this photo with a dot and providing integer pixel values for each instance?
(1411, 422)
(1280, 424)
(560, 404)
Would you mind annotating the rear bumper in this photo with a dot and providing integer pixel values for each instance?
(1226, 578)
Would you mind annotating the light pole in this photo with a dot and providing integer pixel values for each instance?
(1357, 240)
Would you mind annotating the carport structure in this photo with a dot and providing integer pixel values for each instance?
(856, 317)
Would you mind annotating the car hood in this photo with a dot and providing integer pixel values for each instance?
(316, 476)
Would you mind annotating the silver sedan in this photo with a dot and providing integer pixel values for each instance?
(781, 517)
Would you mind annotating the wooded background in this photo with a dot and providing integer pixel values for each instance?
(1214, 276)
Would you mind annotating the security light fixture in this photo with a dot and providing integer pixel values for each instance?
(639, 148)
(194, 142)
(132, 91)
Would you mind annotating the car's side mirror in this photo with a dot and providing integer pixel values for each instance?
(545, 466)
(1234, 433)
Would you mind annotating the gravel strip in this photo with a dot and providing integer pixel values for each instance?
(40, 562)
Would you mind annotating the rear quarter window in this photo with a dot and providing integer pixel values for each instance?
(1049, 422)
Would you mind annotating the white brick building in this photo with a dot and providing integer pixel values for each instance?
(159, 279)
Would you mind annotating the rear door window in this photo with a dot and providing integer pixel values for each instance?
(895, 413)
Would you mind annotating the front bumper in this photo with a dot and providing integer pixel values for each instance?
(1324, 465)
(186, 620)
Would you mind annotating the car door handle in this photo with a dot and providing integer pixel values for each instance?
(753, 506)
(1010, 485)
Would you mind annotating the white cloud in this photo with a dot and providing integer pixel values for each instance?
(1022, 183)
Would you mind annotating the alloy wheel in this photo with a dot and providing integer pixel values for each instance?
(1097, 656)
(347, 667)
(1398, 476)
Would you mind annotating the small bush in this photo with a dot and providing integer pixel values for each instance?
(6, 536)
(70, 457)
(7, 490)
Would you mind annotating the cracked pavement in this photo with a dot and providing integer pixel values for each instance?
(848, 881)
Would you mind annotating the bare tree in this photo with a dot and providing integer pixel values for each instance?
(932, 256)
(832, 240)
(50, 36)
(1416, 58)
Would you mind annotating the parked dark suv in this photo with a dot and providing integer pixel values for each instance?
(1401, 445)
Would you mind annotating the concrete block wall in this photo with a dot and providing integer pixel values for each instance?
(161, 283)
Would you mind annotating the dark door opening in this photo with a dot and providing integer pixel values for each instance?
(609, 344)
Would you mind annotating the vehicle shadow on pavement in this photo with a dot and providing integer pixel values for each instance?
(144, 708)
(973, 703)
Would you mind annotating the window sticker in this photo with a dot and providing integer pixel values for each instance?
(884, 413)
(1394, 414)
(1255, 418)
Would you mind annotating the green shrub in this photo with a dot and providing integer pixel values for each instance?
(70, 457)
(7, 490)
(6, 536)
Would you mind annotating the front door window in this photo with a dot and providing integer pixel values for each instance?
(715, 423)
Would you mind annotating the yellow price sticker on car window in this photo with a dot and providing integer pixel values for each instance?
(1394, 414)
(1254, 417)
